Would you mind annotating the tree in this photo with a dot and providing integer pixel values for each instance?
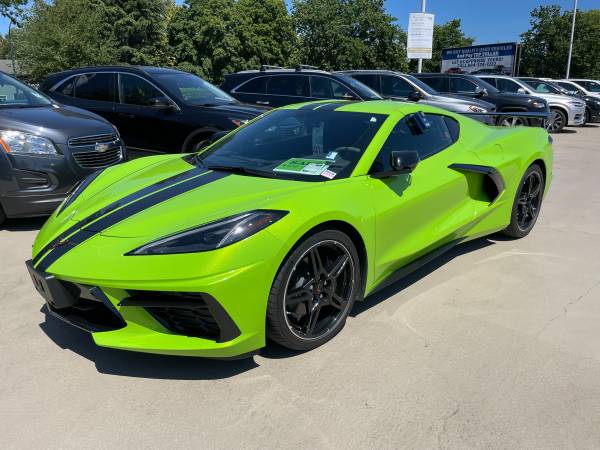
(63, 35)
(345, 34)
(11, 8)
(545, 45)
(448, 35)
(215, 37)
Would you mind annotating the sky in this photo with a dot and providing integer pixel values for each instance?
(485, 20)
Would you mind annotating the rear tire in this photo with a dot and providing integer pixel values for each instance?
(527, 203)
(557, 121)
(314, 291)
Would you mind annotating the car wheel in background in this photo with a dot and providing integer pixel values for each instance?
(512, 122)
(2, 216)
(527, 203)
(557, 121)
(588, 117)
(314, 291)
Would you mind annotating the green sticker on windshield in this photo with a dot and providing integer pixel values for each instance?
(303, 166)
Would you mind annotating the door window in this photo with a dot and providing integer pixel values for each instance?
(323, 87)
(288, 85)
(508, 85)
(444, 132)
(254, 86)
(395, 86)
(368, 80)
(439, 84)
(95, 86)
(137, 91)
(68, 87)
(459, 85)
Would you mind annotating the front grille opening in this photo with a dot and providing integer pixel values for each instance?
(99, 160)
(180, 312)
(92, 140)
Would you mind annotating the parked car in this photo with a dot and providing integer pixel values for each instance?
(46, 148)
(157, 110)
(564, 110)
(279, 87)
(592, 86)
(474, 87)
(592, 104)
(400, 86)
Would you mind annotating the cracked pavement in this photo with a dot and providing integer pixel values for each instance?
(495, 345)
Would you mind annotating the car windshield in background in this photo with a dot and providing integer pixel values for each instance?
(309, 145)
(423, 86)
(543, 87)
(363, 90)
(593, 86)
(13, 93)
(194, 90)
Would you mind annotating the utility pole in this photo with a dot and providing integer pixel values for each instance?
(571, 41)
(420, 60)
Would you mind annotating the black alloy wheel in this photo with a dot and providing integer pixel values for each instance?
(314, 291)
(527, 204)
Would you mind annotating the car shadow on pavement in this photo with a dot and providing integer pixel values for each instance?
(140, 365)
(31, 224)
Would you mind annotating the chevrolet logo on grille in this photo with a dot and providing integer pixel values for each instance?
(101, 147)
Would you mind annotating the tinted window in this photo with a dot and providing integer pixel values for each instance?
(505, 85)
(95, 86)
(405, 136)
(254, 86)
(593, 86)
(462, 86)
(369, 80)
(137, 91)
(67, 88)
(492, 81)
(192, 89)
(298, 144)
(323, 87)
(15, 93)
(440, 84)
(570, 87)
(541, 86)
(293, 85)
(395, 86)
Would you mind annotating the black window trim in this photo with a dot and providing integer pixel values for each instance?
(118, 87)
(235, 89)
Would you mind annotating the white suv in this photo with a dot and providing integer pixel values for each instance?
(564, 110)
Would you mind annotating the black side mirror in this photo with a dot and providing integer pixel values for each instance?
(162, 102)
(401, 162)
(480, 92)
(415, 96)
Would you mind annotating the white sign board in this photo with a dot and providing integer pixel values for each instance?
(420, 36)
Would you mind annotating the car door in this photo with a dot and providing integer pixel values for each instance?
(287, 89)
(142, 115)
(426, 209)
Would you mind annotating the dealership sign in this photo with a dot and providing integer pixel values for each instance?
(480, 59)
(420, 36)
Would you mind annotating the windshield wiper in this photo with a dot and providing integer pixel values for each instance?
(240, 170)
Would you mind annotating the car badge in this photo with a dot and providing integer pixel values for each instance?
(101, 147)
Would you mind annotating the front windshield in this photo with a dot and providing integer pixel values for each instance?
(193, 90)
(423, 86)
(365, 92)
(593, 86)
(543, 87)
(15, 94)
(309, 145)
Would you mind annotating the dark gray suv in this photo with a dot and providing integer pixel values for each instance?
(46, 148)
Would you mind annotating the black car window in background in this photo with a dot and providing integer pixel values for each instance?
(440, 84)
(459, 85)
(492, 81)
(323, 87)
(289, 85)
(505, 85)
(395, 87)
(570, 87)
(283, 139)
(543, 87)
(254, 86)
(67, 87)
(137, 91)
(192, 89)
(95, 86)
(406, 137)
(369, 80)
(592, 86)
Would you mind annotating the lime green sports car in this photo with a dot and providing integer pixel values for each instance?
(276, 229)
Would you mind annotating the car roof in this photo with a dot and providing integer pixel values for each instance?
(279, 71)
(121, 68)
(386, 107)
(367, 71)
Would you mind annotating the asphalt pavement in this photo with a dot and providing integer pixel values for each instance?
(495, 345)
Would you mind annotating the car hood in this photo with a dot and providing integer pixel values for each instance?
(158, 207)
(558, 98)
(458, 100)
(58, 122)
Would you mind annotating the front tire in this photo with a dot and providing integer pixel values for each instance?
(557, 121)
(314, 291)
(527, 203)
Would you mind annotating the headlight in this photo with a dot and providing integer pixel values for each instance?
(19, 142)
(476, 109)
(77, 190)
(213, 235)
(239, 122)
(538, 104)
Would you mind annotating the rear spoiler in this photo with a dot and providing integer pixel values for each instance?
(542, 116)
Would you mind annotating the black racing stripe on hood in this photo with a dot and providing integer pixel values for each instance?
(126, 212)
(196, 171)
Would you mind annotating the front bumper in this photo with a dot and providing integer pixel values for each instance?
(576, 116)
